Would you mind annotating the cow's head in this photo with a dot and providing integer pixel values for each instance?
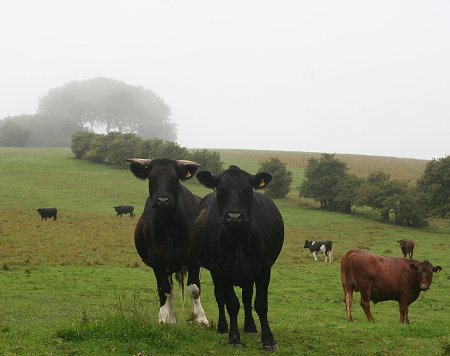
(234, 189)
(164, 177)
(425, 273)
(307, 243)
(401, 242)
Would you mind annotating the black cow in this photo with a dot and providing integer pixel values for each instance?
(316, 247)
(237, 236)
(163, 232)
(124, 209)
(46, 213)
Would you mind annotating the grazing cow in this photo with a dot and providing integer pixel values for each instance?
(237, 236)
(324, 246)
(46, 213)
(124, 209)
(163, 232)
(407, 247)
(380, 278)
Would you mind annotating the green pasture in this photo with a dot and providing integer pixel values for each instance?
(77, 286)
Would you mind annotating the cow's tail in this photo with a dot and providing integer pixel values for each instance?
(179, 276)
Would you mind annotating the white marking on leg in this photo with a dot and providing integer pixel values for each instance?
(315, 256)
(197, 308)
(330, 255)
(167, 311)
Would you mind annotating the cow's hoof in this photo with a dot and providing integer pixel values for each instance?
(271, 348)
(250, 328)
(237, 345)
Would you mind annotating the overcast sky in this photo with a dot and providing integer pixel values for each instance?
(362, 77)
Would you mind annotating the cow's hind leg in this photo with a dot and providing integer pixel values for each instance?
(365, 303)
(249, 322)
(348, 300)
(403, 304)
(193, 286)
(261, 307)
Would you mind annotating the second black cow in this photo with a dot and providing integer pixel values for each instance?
(325, 246)
(237, 236)
(48, 213)
(163, 232)
(124, 209)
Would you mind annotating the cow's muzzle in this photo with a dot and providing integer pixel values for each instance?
(424, 287)
(233, 218)
(161, 202)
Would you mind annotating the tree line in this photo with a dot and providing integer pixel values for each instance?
(98, 104)
(114, 147)
(328, 182)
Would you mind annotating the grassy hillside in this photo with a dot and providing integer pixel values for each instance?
(77, 286)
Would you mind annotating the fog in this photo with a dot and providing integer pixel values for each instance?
(318, 76)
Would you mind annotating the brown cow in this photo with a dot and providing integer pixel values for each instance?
(407, 247)
(380, 278)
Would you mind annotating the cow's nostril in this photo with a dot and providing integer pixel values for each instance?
(162, 202)
(234, 217)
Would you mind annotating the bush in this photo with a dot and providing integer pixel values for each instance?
(281, 177)
(209, 160)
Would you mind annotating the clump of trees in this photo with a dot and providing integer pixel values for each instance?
(281, 182)
(114, 147)
(100, 104)
(328, 181)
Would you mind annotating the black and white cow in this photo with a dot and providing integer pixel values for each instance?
(316, 247)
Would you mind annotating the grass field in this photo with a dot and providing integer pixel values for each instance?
(77, 287)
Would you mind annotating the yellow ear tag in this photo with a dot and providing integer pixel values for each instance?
(262, 184)
(188, 175)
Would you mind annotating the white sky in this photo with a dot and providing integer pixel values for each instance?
(337, 76)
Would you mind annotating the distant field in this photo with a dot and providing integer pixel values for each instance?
(77, 286)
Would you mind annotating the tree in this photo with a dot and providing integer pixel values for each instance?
(209, 160)
(381, 193)
(346, 191)
(13, 134)
(434, 187)
(321, 178)
(114, 105)
(408, 211)
(281, 177)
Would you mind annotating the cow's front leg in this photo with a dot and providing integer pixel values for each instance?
(165, 292)
(193, 286)
(261, 307)
(249, 322)
(232, 304)
(315, 256)
(222, 324)
(403, 304)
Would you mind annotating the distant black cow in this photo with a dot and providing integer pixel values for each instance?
(163, 232)
(46, 213)
(237, 236)
(324, 246)
(124, 209)
(407, 247)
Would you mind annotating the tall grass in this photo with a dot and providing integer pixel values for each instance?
(77, 286)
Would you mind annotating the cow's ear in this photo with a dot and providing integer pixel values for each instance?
(437, 269)
(139, 170)
(260, 180)
(413, 266)
(207, 179)
(186, 172)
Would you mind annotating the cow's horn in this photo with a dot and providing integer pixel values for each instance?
(141, 161)
(183, 162)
